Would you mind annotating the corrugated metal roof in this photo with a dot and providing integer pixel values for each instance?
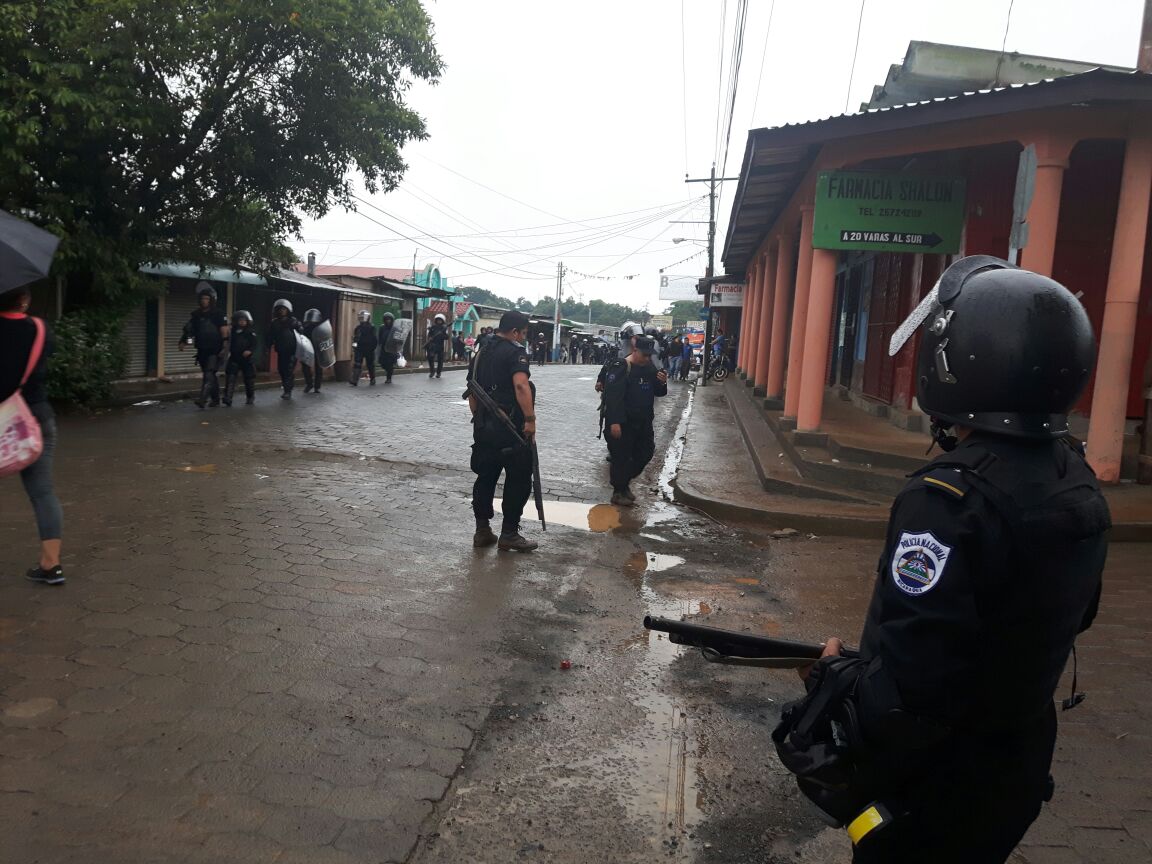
(776, 159)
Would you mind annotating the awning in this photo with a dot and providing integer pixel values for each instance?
(292, 277)
(184, 270)
(776, 160)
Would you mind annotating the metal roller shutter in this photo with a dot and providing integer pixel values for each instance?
(136, 338)
(178, 306)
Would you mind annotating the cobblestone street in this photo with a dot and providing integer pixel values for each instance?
(276, 644)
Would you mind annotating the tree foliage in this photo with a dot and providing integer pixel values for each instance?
(683, 311)
(144, 130)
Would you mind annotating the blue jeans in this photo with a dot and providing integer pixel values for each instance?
(674, 367)
(37, 478)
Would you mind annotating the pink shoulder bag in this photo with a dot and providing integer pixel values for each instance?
(20, 440)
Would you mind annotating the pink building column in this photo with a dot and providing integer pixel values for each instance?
(742, 351)
(820, 298)
(764, 323)
(784, 256)
(757, 288)
(1044, 212)
(799, 314)
(1118, 330)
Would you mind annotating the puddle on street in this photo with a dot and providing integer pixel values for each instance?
(198, 469)
(598, 518)
(651, 562)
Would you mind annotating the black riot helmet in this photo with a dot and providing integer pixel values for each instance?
(388, 318)
(282, 304)
(205, 289)
(313, 316)
(241, 315)
(1005, 350)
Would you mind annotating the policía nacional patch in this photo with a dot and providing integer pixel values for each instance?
(918, 562)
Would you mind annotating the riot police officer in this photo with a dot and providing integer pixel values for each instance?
(503, 370)
(385, 340)
(313, 373)
(991, 567)
(207, 331)
(364, 348)
(434, 347)
(631, 386)
(282, 336)
(241, 358)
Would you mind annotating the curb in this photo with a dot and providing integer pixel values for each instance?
(810, 523)
(192, 391)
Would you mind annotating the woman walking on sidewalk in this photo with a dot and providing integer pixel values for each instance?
(22, 338)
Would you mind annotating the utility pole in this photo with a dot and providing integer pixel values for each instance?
(712, 180)
(560, 271)
(1144, 59)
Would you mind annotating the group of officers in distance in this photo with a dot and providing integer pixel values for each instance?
(933, 742)
(231, 346)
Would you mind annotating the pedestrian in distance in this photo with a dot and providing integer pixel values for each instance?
(438, 336)
(364, 344)
(675, 357)
(631, 387)
(207, 331)
(945, 723)
(241, 358)
(313, 373)
(282, 336)
(686, 360)
(541, 350)
(26, 343)
(503, 370)
(384, 340)
(459, 348)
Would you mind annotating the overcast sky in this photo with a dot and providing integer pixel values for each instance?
(572, 114)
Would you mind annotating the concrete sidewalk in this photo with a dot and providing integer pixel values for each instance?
(736, 467)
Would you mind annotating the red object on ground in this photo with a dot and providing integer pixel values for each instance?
(565, 664)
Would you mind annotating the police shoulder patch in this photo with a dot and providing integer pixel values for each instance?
(918, 562)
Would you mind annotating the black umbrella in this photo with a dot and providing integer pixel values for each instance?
(25, 252)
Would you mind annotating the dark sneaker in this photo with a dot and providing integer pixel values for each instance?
(215, 403)
(354, 383)
(251, 400)
(484, 537)
(199, 403)
(54, 576)
(287, 394)
(372, 383)
(623, 499)
(515, 543)
(308, 389)
(227, 403)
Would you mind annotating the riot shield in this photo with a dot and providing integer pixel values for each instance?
(401, 327)
(325, 346)
(305, 353)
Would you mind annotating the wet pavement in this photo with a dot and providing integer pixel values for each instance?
(277, 644)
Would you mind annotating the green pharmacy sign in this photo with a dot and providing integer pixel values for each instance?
(888, 212)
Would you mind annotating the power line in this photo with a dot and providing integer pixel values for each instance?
(763, 57)
(1004, 43)
(734, 84)
(720, 77)
(684, 84)
(855, 52)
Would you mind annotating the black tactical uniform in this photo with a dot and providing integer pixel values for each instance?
(991, 566)
(364, 346)
(282, 336)
(241, 359)
(434, 348)
(383, 338)
(313, 374)
(205, 330)
(494, 449)
(630, 391)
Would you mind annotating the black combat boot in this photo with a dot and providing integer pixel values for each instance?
(512, 541)
(484, 535)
